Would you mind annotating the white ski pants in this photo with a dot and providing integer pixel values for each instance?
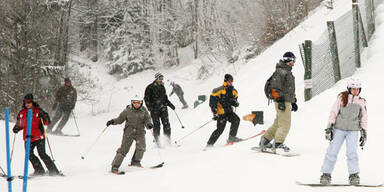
(351, 138)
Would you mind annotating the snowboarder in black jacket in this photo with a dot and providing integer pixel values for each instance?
(156, 100)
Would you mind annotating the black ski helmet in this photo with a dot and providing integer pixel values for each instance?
(28, 96)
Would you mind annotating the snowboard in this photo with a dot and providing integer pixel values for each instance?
(338, 185)
(285, 154)
(132, 169)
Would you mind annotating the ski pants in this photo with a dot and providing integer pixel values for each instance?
(60, 114)
(351, 138)
(181, 98)
(126, 145)
(162, 114)
(37, 166)
(221, 122)
(280, 127)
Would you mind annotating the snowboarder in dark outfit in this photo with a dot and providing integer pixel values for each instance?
(39, 119)
(65, 102)
(179, 92)
(222, 101)
(136, 118)
(157, 102)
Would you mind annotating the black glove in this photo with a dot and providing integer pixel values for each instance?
(215, 116)
(110, 122)
(281, 106)
(363, 137)
(329, 133)
(149, 126)
(16, 129)
(235, 103)
(172, 106)
(294, 107)
(54, 107)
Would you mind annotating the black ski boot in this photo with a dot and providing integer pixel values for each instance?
(282, 146)
(264, 143)
(233, 139)
(325, 179)
(115, 170)
(354, 179)
(136, 163)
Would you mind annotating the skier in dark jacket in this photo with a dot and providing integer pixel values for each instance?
(39, 119)
(283, 92)
(157, 102)
(179, 92)
(222, 101)
(65, 102)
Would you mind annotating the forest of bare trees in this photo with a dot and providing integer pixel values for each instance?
(38, 38)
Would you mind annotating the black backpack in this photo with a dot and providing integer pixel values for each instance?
(268, 89)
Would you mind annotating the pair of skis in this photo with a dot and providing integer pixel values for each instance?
(142, 168)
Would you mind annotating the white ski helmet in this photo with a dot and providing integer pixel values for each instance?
(354, 83)
(136, 98)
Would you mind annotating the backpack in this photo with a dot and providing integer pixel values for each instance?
(268, 89)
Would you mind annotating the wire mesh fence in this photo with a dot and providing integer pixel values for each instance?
(352, 28)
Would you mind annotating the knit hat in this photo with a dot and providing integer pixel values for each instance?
(288, 56)
(67, 80)
(228, 77)
(158, 75)
(28, 96)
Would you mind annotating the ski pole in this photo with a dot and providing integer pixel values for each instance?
(74, 118)
(2, 170)
(46, 136)
(182, 126)
(93, 144)
(13, 145)
(194, 131)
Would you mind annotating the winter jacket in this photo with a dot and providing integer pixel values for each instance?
(135, 120)
(155, 97)
(66, 97)
(39, 119)
(283, 83)
(223, 98)
(352, 117)
(176, 89)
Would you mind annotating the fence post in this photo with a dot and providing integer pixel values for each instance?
(356, 34)
(308, 70)
(334, 50)
(362, 34)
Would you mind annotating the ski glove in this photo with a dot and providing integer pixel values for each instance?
(363, 137)
(149, 126)
(16, 129)
(235, 103)
(215, 116)
(110, 122)
(329, 133)
(294, 107)
(281, 106)
(172, 106)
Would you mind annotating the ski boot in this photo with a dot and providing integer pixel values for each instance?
(282, 146)
(208, 147)
(264, 143)
(115, 170)
(58, 132)
(136, 163)
(354, 179)
(325, 179)
(184, 107)
(233, 139)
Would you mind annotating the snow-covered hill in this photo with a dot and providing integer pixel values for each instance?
(233, 168)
